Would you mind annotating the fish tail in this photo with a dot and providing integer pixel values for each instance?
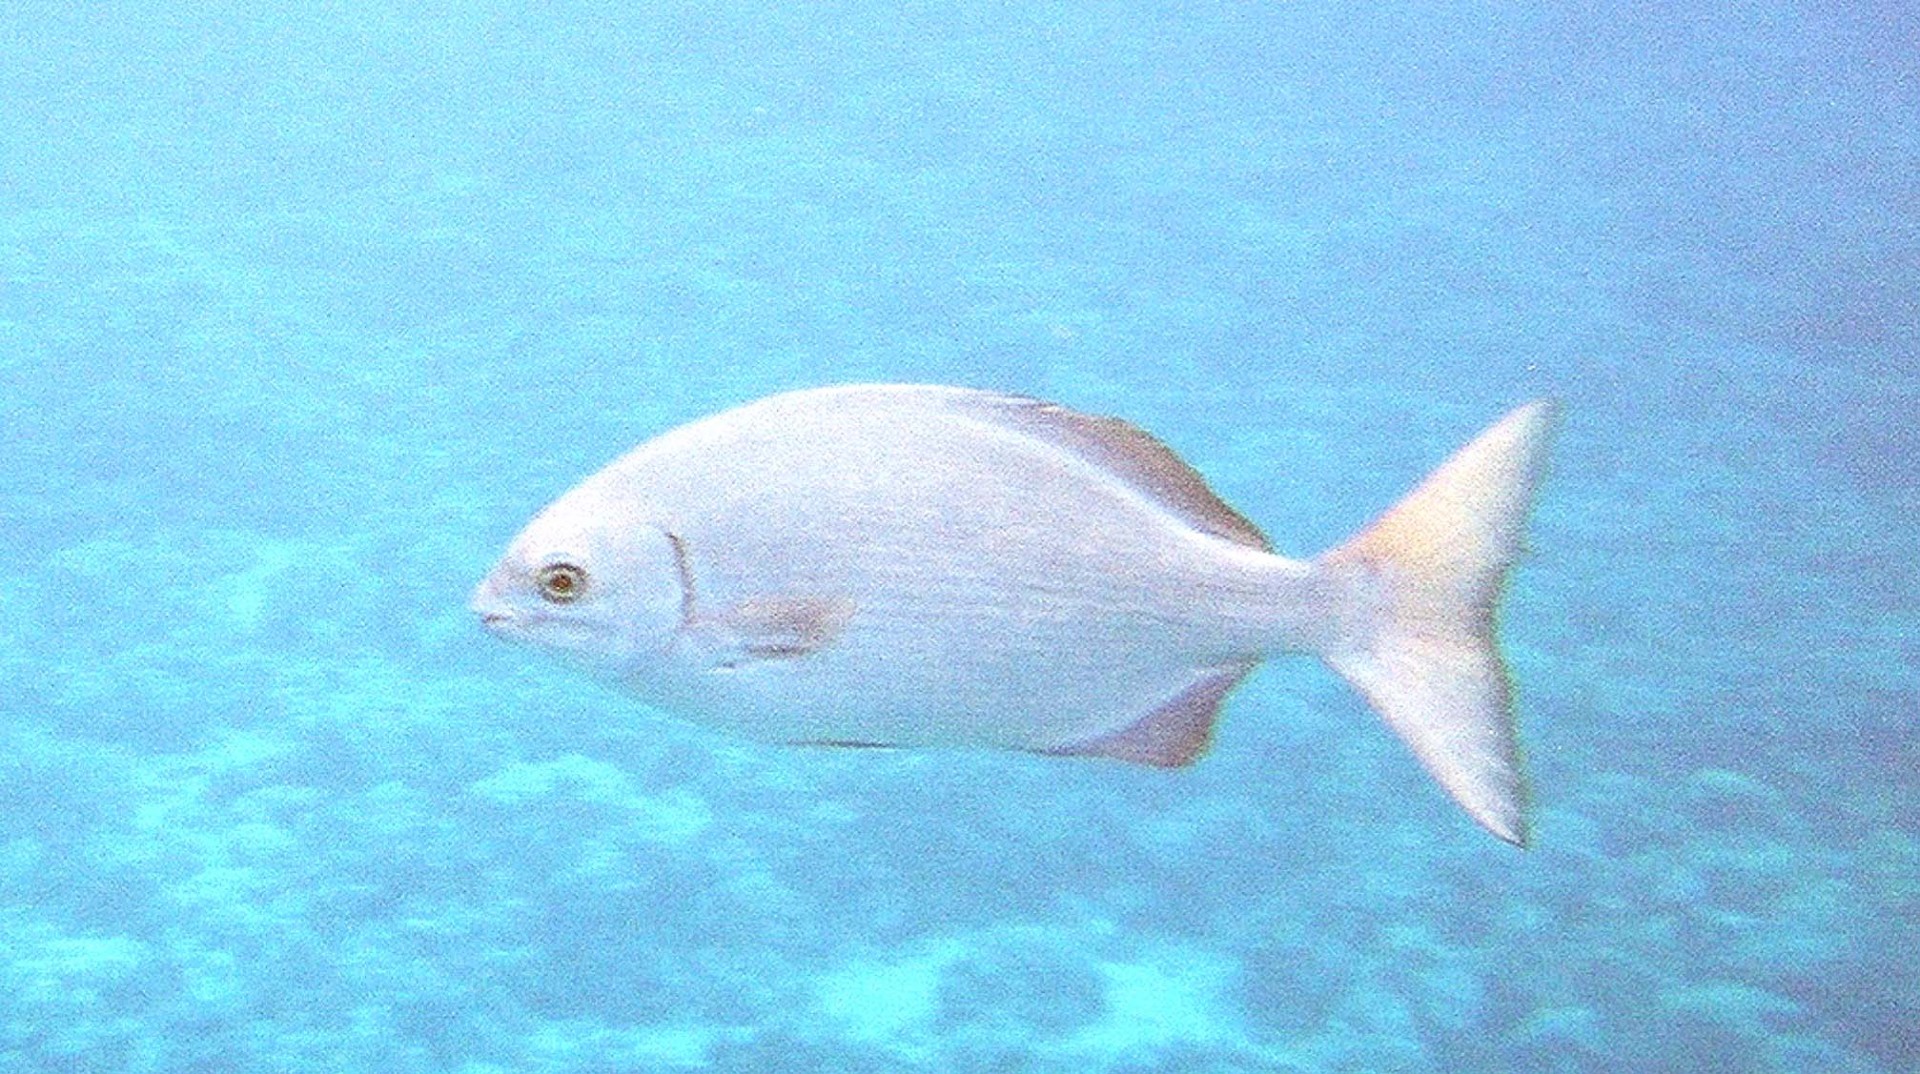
(1420, 589)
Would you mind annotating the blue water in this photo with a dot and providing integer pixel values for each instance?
(305, 308)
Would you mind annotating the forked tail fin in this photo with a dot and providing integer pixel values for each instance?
(1423, 584)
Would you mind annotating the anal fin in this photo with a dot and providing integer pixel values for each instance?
(843, 744)
(1174, 734)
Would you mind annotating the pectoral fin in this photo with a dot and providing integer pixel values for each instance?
(772, 628)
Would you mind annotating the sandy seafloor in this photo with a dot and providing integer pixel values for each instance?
(305, 308)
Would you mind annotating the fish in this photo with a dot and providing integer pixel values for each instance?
(916, 565)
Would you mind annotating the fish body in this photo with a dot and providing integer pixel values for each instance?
(914, 565)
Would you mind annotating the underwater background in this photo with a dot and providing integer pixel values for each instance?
(305, 308)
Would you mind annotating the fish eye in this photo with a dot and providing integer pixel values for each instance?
(561, 582)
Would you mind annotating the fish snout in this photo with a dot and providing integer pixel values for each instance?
(496, 615)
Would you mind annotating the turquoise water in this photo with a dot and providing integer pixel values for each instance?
(304, 311)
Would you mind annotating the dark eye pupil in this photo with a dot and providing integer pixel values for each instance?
(561, 581)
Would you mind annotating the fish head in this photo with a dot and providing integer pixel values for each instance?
(588, 584)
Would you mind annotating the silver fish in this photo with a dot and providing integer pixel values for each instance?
(912, 565)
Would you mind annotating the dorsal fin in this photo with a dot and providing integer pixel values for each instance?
(1124, 450)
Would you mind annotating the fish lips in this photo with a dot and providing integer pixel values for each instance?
(541, 628)
(497, 616)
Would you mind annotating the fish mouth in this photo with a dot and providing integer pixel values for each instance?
(485, 603)
(502, 624)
